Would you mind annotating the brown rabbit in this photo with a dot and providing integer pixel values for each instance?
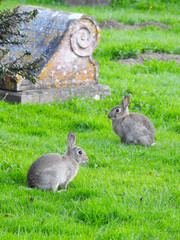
(133, 128)
(51, 170)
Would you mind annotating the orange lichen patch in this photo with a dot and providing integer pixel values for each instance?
(43, 74)
(77, 77)
(48, 68)
(57, 84)
(60, 77)
(48, 38)
(70, 75)
(49, 85)
(67, 76)
(63, 82)
(98, 39)
(95, 30)
(84, 77)
(90, 76)
(89, 65)
(89, 24)
(19, 78)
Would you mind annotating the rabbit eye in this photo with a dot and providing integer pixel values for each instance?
(118, 110)
(80, 152)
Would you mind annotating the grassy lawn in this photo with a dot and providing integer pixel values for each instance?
(125, 191)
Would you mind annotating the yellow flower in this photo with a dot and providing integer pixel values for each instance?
(150, 7)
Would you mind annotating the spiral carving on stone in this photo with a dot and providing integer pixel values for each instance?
(85, 37)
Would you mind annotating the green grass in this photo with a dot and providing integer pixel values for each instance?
(125, 192)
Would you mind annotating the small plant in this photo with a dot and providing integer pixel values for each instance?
(10, 35)
(124, 53)
(177, 50)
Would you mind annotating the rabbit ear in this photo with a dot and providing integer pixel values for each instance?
(71, 139)
(126, 100)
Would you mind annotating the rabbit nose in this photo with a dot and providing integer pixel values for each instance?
(109, 115)
(86, 158)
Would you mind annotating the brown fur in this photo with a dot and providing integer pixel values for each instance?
(51, 170)
(133, 128)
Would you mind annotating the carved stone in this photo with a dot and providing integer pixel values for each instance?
(68, 41)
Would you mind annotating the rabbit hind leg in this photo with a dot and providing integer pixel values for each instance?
(144, 140)
(63, 187)
(54, 187)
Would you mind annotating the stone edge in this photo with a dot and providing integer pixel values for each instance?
(97, 92)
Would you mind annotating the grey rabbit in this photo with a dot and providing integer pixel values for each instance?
(133, 128)
(51, 170)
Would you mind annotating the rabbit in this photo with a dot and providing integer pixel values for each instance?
(133, 128)
(51, 170)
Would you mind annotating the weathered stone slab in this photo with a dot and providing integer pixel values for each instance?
(68, 41)
(96, 92)
(101, 3)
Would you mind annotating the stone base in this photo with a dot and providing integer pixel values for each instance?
(58, 94)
